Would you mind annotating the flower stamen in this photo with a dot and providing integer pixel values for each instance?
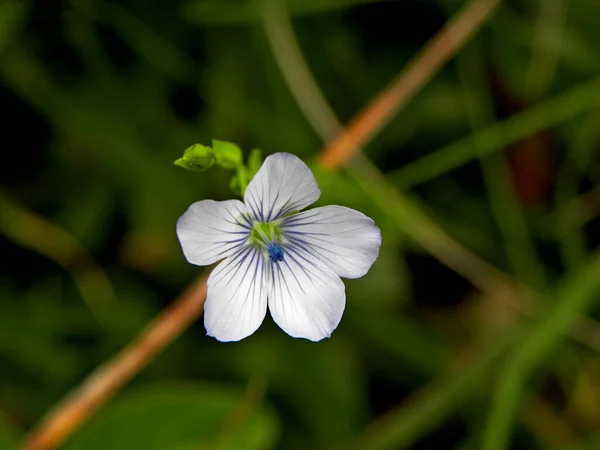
(266, 235)
(275, 252)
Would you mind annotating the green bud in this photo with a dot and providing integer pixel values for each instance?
(228, 155)
(197, 158)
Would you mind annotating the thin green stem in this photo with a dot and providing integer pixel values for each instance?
(217, 12)
(149, 44)
(550, 26)
(570, 239)
(294, 69)
(405, 424)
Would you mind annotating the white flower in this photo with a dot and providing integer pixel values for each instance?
(274, 255)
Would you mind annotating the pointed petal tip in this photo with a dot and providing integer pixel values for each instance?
(283, 184)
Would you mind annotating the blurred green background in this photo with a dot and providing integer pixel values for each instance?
(494, 160)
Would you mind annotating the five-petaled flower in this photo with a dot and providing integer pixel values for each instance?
(273, 254)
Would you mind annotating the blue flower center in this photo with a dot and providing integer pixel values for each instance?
(275, 252)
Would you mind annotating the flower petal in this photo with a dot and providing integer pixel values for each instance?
(236, 301)
(344, 239)
(307, 298)
(209, 231)
(283, 184)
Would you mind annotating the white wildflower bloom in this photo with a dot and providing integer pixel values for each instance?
(275, 256)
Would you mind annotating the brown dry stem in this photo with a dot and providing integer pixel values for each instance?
(409, 82)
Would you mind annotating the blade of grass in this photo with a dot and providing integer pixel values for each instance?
(157, 50)
(445, 44)
(573, 298)
(162, 54)
(295, 70)
(549, 27)
(411, 219)
(504, 204)
(575, 213)
(570, 45)
(29, 230)
(418, 226)
(217, 12)
(85, 38)
(571, 241)
(500, 135)
(405, 424)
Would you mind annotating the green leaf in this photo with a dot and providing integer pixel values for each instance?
(183, 416)
(228, 155)
(197, 158)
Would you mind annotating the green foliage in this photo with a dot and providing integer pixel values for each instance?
(214, 12)
(227, 155)
(12, 15)
(478, 318)
(179, 417)
(573, 299)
